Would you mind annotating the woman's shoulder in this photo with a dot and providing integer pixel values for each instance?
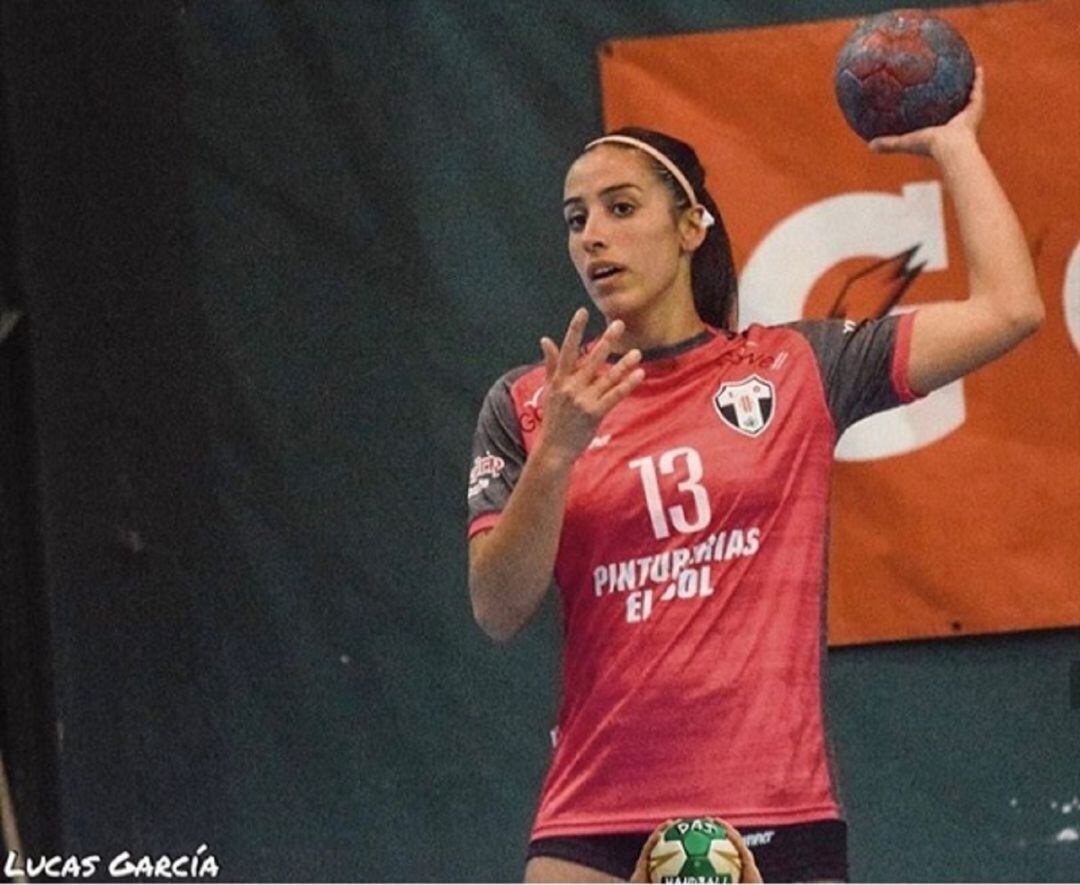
(795, 327)
(509, 385)
(780, 334)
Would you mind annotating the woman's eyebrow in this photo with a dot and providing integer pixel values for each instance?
(608, 190)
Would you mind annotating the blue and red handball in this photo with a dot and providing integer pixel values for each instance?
(901, 71)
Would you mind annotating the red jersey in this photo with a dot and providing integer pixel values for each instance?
(692, 568)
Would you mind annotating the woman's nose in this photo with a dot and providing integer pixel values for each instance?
(593, 234)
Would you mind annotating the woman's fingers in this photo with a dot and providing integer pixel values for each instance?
(593, 369)
(911, 143)
(620, 391)
(568, 354)
(580, 390)
(566, 360)
(615, 373)
(978, 85)
(595, 359)
(641, 868)
(597, 387)
(604, 384)
(977, 102)
(921, 141)
(551, 356)
(750, 872)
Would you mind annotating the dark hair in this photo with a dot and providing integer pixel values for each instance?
(712, 269)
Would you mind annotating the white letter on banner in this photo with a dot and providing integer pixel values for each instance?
(1070, 296)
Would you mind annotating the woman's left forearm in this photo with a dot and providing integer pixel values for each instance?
(1001, 274)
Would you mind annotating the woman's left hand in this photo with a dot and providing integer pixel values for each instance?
(925, 141)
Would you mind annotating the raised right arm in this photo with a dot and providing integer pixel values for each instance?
(511, 565)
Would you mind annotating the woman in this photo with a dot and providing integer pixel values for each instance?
(672, 481)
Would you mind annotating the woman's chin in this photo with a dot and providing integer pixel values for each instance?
(617, 305)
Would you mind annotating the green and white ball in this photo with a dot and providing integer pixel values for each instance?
(695, 850)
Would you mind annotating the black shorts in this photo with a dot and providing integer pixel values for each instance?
(788, 853)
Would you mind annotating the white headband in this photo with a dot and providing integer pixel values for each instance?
(707, 218)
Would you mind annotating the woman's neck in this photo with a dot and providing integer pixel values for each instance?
(674, 321)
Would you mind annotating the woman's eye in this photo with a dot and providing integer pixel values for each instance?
(621, 210)
(576, 221)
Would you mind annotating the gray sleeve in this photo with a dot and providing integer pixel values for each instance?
(498, 453)
(856, 364)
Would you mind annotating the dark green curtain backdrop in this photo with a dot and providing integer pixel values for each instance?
(274, 255)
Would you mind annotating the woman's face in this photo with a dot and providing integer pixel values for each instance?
(623, 237)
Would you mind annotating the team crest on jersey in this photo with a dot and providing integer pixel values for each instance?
(747, 406)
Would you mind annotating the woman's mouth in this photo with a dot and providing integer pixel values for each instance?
(604, 271)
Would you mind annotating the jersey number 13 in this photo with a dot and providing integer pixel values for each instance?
(690, 516)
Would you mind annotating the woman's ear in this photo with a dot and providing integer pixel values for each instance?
(692, 228)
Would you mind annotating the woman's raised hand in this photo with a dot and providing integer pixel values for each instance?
(581, 390)
(965, 125)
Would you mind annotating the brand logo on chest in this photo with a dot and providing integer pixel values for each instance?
(753, 357)
(747, 405)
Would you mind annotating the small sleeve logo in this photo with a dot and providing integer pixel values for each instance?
(485, 468)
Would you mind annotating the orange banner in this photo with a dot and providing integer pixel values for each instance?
(959, 514)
